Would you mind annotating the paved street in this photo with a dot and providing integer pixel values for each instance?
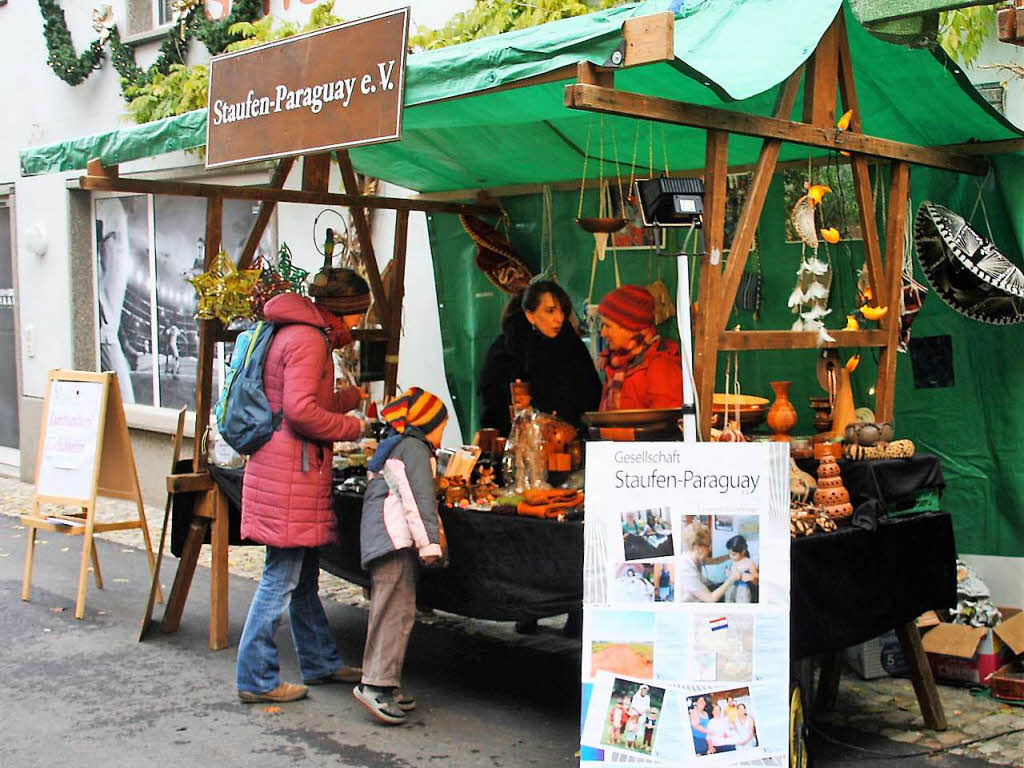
(86, 693)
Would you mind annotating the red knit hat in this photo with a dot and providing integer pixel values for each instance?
(631, 306)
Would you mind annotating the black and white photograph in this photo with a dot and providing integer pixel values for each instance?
(124, 288)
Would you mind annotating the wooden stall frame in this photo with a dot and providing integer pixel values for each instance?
(645, 40)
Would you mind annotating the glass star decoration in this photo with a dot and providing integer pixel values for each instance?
(291, 273)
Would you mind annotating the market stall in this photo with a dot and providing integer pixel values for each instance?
(630, 66)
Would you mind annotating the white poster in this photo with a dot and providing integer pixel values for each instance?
(686, 604)
(69, 448)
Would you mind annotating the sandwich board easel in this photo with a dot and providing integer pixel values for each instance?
(85, 451)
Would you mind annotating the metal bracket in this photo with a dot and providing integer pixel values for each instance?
(618, 56)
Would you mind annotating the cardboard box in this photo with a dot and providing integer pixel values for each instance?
(963, 654)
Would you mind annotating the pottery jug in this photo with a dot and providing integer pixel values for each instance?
(782, 414)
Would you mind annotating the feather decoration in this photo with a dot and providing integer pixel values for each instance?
(815, 313)
(823, 338)
(796, 298)
(816, 265)
(816, 291)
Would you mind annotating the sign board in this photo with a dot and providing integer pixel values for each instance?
(342, 86)
(686, 604)
(70, 439)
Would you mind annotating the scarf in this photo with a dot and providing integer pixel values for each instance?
(390, 442)
(616, 363)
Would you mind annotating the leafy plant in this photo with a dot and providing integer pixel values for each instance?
(262, 31)
(964, 31)
(492, 17)
(181, 90)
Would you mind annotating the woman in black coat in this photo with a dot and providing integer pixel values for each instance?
(539, 345)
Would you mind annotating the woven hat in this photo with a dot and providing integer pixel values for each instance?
(341, 290)
(495, 257)
(966, 270)
(631, 306)
(415, 407)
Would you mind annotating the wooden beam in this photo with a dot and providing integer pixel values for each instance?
(316, 172)
(885, 387)
(921, 676)
(592, 98)
(983, 148)
(219, 536)
(742, 341)
(230, 192)
(396, 298)
(189, 482)
(591, 74)
(284, 167)
(366, 252)
(207, 337)
(859, 168)
(95, 167)
(649, 39)
(716, 158)
(750, 214)
(821, 78)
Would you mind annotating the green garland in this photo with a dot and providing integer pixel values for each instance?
(73, 69)
(62, 59)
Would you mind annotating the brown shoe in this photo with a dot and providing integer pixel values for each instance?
(284, 692)
(340, 675)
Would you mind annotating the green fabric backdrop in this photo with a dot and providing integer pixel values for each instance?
(973, 426)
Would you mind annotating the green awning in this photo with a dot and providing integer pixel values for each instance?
(729, 52)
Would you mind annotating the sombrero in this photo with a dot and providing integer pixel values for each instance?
(966, 270)
(495, 257)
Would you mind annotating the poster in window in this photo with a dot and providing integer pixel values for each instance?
(180, 226)
(124, 284)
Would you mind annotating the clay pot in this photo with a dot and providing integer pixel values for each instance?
(868, 434)
(850, 433)
(828, 466)
(782, 415)
(830, 497)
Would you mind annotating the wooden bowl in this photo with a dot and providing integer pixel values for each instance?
(635, 417)
(602, 224)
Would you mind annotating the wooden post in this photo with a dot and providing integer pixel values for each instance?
(885, 387)
(218, 570)
(396, 298)
(716, 159)
(921, 675)
(207, 337)
(316, 172)
(859, 169)
(750, 214)
(267, 207)
(822, 77)
(366, 252)
(590, 74)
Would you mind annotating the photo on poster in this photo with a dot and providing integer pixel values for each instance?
(643, 583)
(632, 716)
(123, 287)
(646, 533)
(723, 646)
(719, 559)
(722, 721)
(620, 642)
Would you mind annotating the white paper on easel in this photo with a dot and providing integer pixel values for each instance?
(73, 422)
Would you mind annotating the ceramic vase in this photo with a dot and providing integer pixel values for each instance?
(782, 414)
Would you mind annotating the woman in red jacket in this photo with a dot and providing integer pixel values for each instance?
(286, 494)
(641, 369)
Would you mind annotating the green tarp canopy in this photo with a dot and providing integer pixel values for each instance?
(732, 53)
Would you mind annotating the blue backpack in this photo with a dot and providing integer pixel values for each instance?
(243, 412)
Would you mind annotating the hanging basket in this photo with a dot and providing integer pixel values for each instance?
(607, 224)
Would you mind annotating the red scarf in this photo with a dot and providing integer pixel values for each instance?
(616, 363)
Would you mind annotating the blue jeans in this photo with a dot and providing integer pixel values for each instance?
(290, 579)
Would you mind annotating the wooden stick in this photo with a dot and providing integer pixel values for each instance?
(753, 206)
(366, 252)
(739, 341)
(822, 71)
(859, 169)
(593, 98)
(921, 676)
(885, 388)
(30, 551)
(207, 337)
(230, 192)
(183, 576)
(83, 571)
(97, 577)
(716, 158)
(267, 207)
(396, 298)
(218, 571)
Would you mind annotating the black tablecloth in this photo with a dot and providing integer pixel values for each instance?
(847, 586)
(504, 568)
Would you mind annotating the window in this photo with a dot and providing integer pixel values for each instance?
(146, 248)
(164, 12)
(994, 94)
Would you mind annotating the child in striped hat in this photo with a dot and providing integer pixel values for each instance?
(400, 525)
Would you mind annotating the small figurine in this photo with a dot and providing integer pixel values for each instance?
(525, 460)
